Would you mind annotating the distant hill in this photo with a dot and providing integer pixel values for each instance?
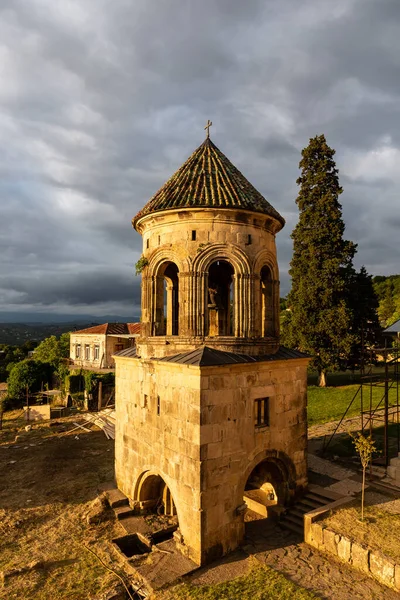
(16, 333)
(387, 288)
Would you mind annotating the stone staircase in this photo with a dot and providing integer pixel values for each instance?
(315, 497)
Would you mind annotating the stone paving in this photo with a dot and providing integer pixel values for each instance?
(325, 576)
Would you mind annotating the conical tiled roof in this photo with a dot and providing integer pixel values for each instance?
(208, 180)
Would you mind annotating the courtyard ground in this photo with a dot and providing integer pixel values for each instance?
(50, 477)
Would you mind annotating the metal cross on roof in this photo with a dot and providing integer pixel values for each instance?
(209, 123)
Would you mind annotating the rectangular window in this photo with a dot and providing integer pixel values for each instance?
(87, 352)
(159, 240)
(249, 239)
(147, 243)
(158, 405)
(96, 352)
(145, 401)
(193, 235)
(261, 412)
(77, 351)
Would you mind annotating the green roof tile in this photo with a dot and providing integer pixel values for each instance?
(208, 180)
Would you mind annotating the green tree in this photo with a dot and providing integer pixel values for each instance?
(365, 447)
(27, 374)
(365, 324)
(53, 350)
(320, 319)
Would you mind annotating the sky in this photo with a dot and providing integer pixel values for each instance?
(100, 102)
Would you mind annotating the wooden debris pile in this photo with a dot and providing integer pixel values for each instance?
(105, 419)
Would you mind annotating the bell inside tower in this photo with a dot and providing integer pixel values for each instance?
(220, 299)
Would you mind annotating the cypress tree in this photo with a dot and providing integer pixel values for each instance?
(320, 317)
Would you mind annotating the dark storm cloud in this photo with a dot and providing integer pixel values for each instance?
(102, 101)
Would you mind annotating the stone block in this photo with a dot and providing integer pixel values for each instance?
(316, 535)
(382, 568)
(397, 577)
(344, 549)
(329, 541)
(360, 557)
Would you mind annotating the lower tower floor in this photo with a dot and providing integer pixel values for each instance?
(204, 434)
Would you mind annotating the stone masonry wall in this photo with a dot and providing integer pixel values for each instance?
(231, 445)
(204, 443)
(372, 562)
(167, 444)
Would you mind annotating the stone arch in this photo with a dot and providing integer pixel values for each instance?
(266, 258)
(266, 293)
(232, 254)
(163, 255)
(241, 288)
(273, 467)
(154, 494)
(163, 275)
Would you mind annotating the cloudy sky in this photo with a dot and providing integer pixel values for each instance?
(100, 102)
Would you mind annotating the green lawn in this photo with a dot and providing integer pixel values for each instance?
(261, 583)
(328, 404)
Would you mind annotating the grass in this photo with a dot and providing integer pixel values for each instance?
(329, 404)
(380, 529)
(48, 483)
(261, 583)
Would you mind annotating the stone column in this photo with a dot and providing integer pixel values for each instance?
(185, 287)
(170, 309)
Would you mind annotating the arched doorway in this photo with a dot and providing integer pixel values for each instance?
(167, 300)
(220, 299)
(155, 496)
(267, 486)
(267, 300)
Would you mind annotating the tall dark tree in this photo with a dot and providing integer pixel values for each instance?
(320, 318)
(365, 326)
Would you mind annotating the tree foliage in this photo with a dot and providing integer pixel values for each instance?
(365, 447)
(53, 350)
(388, 291)
(27, 374)
(320, 319)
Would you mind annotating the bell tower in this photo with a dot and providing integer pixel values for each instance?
(210, 409)
(211, 274)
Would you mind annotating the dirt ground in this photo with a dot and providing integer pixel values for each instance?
(49, 478)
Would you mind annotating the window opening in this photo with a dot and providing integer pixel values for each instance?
(167, 301)
(261, 412)
(87, 352)
(267, 309)
(96, 352)
(78, 351)
(193, 235)
(220, 299)
(158, 405)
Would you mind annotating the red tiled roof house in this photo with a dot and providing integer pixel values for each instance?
(93, 348)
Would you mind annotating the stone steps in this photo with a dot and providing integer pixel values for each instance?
(315, 498)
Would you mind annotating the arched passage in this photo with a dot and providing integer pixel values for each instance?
(167, 300)
(220, 299)
(267, 485)
(154, 495)
(267, 302)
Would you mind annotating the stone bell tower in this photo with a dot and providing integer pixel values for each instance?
(210, 410)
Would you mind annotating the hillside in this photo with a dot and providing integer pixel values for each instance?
(387, 288)
(16, 334)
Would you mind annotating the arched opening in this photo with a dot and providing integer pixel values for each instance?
(267, 303)
(220, 302)
(167, 300)
(155, 496)
(266, 487)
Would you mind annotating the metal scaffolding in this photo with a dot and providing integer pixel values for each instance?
(384, 412)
